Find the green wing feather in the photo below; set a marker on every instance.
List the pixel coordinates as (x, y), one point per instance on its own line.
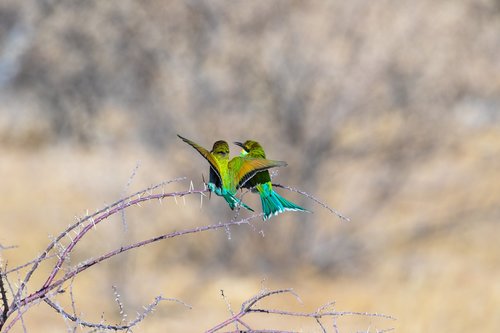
(261, 177)
(206, 154)
(245, 168)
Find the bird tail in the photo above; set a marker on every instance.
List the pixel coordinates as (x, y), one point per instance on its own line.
(273, 203)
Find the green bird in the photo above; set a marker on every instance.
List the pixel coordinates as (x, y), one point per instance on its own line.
(227, 176)
(272, 202)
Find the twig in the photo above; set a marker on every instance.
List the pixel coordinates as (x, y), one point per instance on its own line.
(248, 307)
(20, 310)
(228, 304)
(123, 315)
(31, 262)
(72, 296)
(79, 222)
(89, 263)
(140, 316)
(322, 314)
(321, 203)
(102, 217)
(129, 181)
(3, 247)
(5, 302)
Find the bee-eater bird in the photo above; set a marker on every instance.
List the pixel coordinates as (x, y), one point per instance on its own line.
(272, 202)
(227, 176)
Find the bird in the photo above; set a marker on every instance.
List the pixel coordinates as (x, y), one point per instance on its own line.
(227, 176)
(272, 202)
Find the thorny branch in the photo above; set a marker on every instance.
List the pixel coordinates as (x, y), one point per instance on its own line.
(21, 303)
(79, 223)
(5, 302)
(140, 316)
(322, 313)
(103, 214)
(313, 198)
(91, 262)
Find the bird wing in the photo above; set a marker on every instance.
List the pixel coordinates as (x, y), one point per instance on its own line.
(214, 165)
(215, 178)
(248, 167)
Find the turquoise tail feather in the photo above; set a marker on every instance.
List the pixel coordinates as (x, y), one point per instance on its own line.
(273, 203)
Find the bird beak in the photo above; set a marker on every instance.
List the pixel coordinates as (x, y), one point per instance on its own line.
(243, 151)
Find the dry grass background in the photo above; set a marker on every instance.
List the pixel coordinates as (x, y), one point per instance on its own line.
(387, 110)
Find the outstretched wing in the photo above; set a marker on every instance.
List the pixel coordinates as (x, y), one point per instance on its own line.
(245, 168)
(214, 165)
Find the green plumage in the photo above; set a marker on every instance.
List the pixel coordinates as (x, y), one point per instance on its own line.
(272, 202)
(227, 176)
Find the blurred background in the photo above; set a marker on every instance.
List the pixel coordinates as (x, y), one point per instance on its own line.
(386, 110)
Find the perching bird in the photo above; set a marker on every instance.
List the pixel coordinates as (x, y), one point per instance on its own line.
(227, 176)
(272, 202)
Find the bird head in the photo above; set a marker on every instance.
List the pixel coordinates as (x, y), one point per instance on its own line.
(244, 151)
(220, 148)
(250, 146)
